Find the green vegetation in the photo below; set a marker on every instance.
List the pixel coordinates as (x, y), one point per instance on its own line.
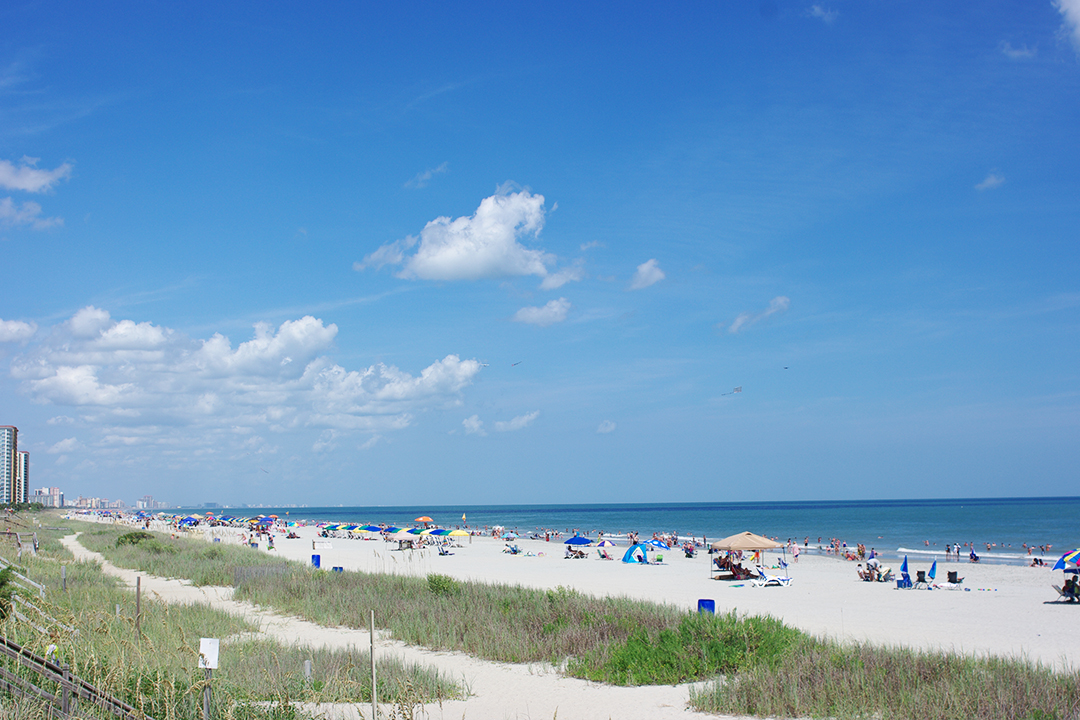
(156, 670)
(824, 679)
(759, 666)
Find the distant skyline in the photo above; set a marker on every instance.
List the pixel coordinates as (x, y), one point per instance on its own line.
(424, 254)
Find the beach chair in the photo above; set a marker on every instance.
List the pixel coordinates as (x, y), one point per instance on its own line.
(920, 579)
(444, 551)
(604, 554)
(954, 577)
(763, 579)
(783, 565)
(1062, 595)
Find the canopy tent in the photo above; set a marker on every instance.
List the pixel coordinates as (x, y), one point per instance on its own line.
(632, 556)
(745, 541)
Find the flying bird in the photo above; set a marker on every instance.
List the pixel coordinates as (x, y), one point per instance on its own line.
(517, 363)
(736, 390)
(265, 471)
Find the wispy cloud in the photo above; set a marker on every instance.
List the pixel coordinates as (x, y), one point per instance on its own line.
(521, 421)
(27, 177)
(474, 426)
(648, 273)
(14, 215)
(606, 427)
(555, 311)
(776, 305)
(993, 180)
(1070, 11)
(592, 244)
(421, 179)
(1019, 53)
(822, 13)
(571, 273)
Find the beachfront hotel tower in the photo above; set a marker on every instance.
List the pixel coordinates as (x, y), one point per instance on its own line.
(9, 463)
(24, 476)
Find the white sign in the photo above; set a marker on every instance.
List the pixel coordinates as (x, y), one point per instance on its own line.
(208, 653)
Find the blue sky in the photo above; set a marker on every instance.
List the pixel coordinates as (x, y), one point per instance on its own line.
(322, 254)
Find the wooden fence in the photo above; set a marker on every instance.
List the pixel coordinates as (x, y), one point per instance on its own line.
(72, 687)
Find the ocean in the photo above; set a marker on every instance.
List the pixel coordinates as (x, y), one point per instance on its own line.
(892, 527)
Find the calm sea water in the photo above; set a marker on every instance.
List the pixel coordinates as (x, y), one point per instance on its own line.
(893, 527)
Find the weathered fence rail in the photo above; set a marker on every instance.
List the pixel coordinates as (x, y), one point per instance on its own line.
(72, 687)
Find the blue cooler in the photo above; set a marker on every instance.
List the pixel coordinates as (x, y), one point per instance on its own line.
(706, 606)
(315, 560)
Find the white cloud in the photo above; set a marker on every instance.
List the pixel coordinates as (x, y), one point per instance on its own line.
(139, 374)
(474, 426)
(60, 420)
(421, 179)
(521, 421)
(821, 13)
(606, 427)
(1021, 53)
(484, 245)
(371, 442)
(555, 311)
(592, 244)
(648, 273)
(1070, 11)
(993, 180)
(28, 213)
(64, 446)
(746, 319)
(573, 273)
(16, 330)
(28, 178)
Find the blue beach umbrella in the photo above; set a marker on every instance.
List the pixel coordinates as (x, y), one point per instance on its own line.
(510, 536)
(415, 531)
(903, 568)
(392, 529)
(371, 528)
(659, 544)
(578, 540)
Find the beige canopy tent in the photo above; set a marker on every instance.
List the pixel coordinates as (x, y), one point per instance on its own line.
(747, 541)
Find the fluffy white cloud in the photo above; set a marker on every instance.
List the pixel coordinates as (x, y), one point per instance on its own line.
(16, 330)
(28, 213)
(484, 245)
(746, 319)
(64, 446)
(521, 421)
(555, 311)
(474, 426)
(993, 180)
(139, 374)
(606, 427)
(28, 178)
(1070, 11)
(648, 273)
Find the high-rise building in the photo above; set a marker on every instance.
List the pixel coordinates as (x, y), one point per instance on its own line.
(24, 476)
(9, 463)
(49, 497)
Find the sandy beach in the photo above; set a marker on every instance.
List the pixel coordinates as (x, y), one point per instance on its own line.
(1001, 610)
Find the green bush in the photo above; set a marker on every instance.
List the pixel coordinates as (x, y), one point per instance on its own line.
(443, 585)
(133, 538)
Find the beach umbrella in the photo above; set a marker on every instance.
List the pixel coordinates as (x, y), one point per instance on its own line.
(371, 528)
(439, 532)
(605, 543)
(578, 540)
(458, 533)
(423, 518)
(1072, 557)
(392, 529)
(659, 544)
(415, 531)
(510, 536)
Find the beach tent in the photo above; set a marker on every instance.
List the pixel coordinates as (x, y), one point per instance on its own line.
(631, 555)
(745, 541)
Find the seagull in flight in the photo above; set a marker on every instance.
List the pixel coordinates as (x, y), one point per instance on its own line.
(517, 363)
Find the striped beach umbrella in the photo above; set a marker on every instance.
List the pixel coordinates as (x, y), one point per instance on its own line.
(1072, 557)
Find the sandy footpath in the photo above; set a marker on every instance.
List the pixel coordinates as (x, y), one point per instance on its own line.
(499, 690)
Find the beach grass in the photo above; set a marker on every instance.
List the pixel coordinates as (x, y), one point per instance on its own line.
(818, 678)
(92, 625)
(756, 665)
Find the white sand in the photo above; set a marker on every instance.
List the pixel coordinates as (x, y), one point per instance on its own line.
(1004, 611)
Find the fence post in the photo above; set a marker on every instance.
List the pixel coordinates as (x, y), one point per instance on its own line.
(65, 690)
(63, 576)
(206, 695)
(138, 606)
(307, 670)
(374, 692)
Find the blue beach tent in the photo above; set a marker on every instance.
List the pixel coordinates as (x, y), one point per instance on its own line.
(632, 556)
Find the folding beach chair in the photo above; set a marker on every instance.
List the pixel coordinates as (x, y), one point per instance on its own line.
(920, 579)
(765, 580)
